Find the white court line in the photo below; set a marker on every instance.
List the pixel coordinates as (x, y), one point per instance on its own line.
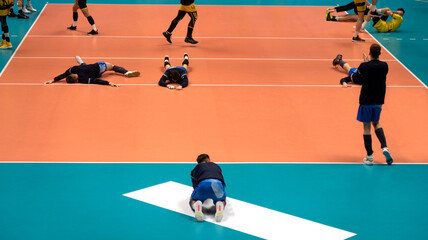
(22, 41)
(221, 163)
(210, 59)
(204, 85)
(161, 37)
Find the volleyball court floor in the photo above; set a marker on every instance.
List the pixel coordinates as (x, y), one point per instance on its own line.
(263, 101)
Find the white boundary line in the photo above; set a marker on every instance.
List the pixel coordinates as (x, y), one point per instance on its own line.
(23, 39)
(238, 163)
(161, 37)
(203, 85)
(213, 59)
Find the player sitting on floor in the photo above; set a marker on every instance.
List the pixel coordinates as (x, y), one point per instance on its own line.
(89, 73)
(380, 22)
(175, 77)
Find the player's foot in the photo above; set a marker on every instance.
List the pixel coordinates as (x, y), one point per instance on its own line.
(132, 74)
(368, 160)
(219, 206)
(375, 14)
(6, 45)
(22, 16)
(30, 8)
(167, 35)
(11, 13)
(24, 10)
(78, 60)
(166, 61)
(337, 60)
(328, 16)
(387, 156)
(72, 28)
(357, 39)
(190, 40)
(186, 56)
(93, 32)
(197, 206)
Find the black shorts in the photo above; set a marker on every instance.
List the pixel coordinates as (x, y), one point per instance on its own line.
(82, 4)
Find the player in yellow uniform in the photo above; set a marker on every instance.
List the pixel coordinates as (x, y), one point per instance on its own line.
(5, 6)
(361, 8)
(84, 8)
(380, 23)
(186, 6)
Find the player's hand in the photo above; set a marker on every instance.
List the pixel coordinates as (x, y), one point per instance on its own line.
(331, 9)
(179, 87)
(170, 86)
(366, 59)
(49, 82)
(113, 85)
(345, 85)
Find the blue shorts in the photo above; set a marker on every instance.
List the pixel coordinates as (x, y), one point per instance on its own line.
(103, 68)
(369, 113)
(209, 189)
(182, 68)
(352, 71)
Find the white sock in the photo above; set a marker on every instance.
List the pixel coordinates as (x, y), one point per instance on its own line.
(94, 27)
(74, 24)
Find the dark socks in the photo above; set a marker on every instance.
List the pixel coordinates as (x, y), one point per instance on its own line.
(186, 61)
(75, 16)
(189, 31)
(91, 20)
(381, 136)
(368, 144)
(119, 69)
(341, 62)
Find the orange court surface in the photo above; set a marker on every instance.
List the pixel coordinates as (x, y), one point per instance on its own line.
(261, 90)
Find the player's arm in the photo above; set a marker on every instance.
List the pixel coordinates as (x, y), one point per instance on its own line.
(59, 77)
(98, 81)
(185, 81)
(164, 80)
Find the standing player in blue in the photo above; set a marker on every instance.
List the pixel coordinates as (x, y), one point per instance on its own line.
(208, 183)
(175, 77)
(89, 73)
(372, 76)
(186, 6)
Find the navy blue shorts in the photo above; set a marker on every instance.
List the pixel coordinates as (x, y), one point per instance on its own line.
(209, 189)
(103, 68)
(369, 113)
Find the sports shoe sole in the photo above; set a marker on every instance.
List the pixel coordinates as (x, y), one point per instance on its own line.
(133, 74)
(219, 211)
(369, 163)
(388, 157)
(198, 211)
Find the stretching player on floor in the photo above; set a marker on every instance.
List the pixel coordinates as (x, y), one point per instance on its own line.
(350, 70)
(175, 77)
(346, 17)
(84, 8)
(4, 11)
(380, 22)
(208, 183)
(89, 73)
(186, 6)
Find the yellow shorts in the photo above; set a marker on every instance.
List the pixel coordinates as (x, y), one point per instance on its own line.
(361, 5)
(4, 12)
(188, 8)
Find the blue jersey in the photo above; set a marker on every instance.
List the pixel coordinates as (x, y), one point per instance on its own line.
(166, 77)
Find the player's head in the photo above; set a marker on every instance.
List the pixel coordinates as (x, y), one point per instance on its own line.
(175, 76)
(400, 11)
(203, 158)
(375, 51)
(72, 78)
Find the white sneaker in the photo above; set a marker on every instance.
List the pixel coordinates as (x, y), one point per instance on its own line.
(24, 10)
(132, 74)
(368, 160)
(387, 156)
(30, 8)
(79, 60)
(197, 206)
(219, 206)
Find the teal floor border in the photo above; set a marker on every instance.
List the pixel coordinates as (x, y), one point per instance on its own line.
(85, 201)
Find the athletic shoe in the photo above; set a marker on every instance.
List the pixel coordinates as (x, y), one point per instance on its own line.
(22, 16)
(30, 8)
(219, 206)
(357, 39)
(337, 60)
(387, 156)
(78, 60)
(93, 32)
(6, 45)
(24, 10)
(197, 206)
(72, 28)
(186, 55)
(167, 35)
(328, 16)
(11, 13)
(132, 74)
(190, 40)
(368, 160)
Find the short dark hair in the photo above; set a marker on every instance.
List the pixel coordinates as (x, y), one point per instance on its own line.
(70, 79)
(375, 50)
(202, 157)
(175, 75)
(401, 9)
